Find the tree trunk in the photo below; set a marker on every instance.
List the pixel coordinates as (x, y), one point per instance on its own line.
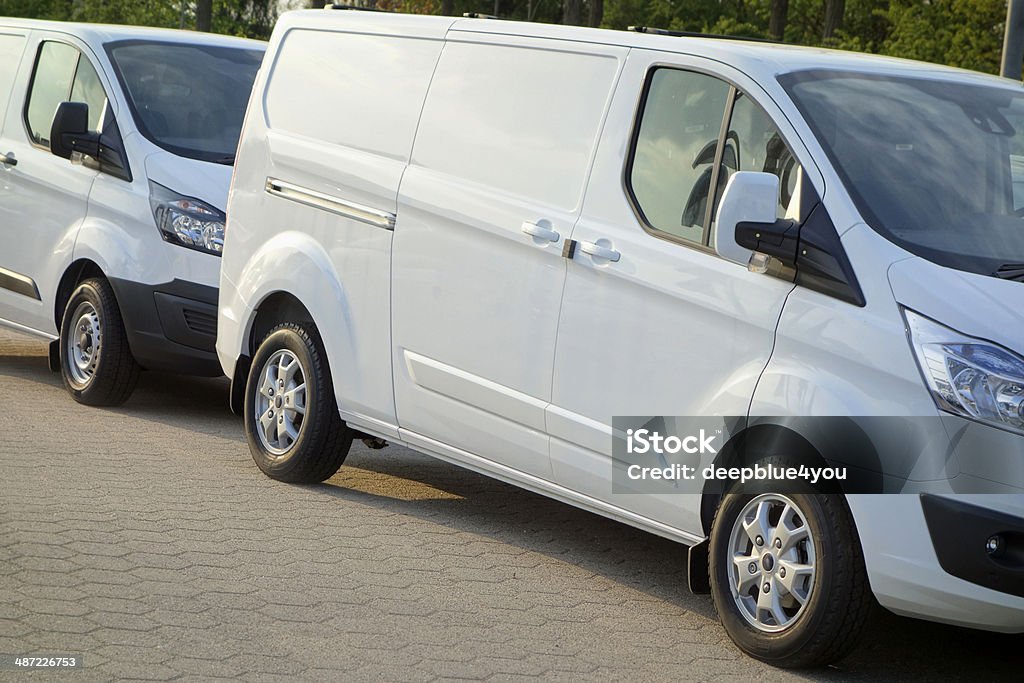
(204, 15)
(834, 10)
(596, 12)
(571, 12)
(447, 7)
(778, 19)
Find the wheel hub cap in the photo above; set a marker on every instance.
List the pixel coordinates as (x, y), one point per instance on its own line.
(83, 345)
(280, 402)
(771, 580)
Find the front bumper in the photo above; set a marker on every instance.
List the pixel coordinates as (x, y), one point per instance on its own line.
(171, 327)
(906, 566)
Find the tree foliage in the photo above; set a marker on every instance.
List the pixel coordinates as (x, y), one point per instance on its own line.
(964, 33)
(253, 18)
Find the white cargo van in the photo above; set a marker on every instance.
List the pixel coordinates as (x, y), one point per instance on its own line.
(488, 240)
(116, 149)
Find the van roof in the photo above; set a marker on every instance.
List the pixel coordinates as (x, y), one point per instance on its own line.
(757, 59)
(98, 34)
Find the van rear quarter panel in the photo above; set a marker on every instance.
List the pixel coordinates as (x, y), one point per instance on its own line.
(347, 134)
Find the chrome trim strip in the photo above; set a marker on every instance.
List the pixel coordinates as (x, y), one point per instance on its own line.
(326, 202)
(19, 284)
(10, 324)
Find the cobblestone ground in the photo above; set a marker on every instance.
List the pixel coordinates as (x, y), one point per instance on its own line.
(144, 539)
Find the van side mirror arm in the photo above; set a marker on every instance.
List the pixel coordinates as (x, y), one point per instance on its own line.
(778, 240)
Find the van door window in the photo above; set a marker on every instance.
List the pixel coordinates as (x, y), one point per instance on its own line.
(87, 88)
(677, 141)
(670, 171)
(62, 75)
(51, 84)
(754, 143)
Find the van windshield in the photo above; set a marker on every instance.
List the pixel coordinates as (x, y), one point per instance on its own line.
(936, 166)
(188, 99)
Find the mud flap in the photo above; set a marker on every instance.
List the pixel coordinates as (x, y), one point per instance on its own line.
(54, 356)
(697, 569)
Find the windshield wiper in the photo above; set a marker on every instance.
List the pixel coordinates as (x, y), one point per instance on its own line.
(1011, 271)
(227, 161)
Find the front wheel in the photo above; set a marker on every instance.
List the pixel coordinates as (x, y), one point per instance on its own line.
(96, 362)
(787, 577)
(292, 424)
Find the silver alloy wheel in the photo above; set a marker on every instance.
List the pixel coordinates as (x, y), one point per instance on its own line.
(84, 344)
(772, 564)
(280, 402)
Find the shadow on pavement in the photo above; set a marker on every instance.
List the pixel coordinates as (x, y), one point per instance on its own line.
(894, 648)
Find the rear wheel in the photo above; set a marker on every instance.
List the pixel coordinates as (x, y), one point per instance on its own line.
(292, 424)
(787, 577)
(96, 362)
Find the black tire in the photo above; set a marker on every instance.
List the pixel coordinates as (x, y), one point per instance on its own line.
(97, 366)
(323, 439)
(839, 604)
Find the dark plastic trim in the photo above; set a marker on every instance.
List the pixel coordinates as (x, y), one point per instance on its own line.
(158, 333)
(19, 284)
(959, 532)
(821, 261)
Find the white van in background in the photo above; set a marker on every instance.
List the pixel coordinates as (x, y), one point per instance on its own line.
(486, 239)
(116, 151)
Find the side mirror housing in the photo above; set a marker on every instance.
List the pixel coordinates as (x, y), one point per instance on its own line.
(747, 220)
(69, 132)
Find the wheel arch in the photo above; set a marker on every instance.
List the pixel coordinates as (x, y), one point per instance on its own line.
(78, 271)
(275, 308)
(303, 287)
(822, 442)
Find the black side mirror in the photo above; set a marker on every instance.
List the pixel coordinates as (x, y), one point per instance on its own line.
(70, 131)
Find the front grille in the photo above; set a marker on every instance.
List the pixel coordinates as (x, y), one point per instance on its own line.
(201, 323)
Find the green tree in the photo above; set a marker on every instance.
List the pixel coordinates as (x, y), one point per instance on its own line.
(964, 33)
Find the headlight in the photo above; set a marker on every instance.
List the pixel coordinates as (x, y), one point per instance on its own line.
(186, 221)
(968, 376)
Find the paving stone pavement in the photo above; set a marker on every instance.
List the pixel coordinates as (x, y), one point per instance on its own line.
(144, 539)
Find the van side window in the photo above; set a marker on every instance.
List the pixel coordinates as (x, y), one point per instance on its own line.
(674, 151)
(754, 143)
(62, 75)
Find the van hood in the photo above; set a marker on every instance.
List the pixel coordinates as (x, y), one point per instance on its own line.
(976, 305)
(202, 180)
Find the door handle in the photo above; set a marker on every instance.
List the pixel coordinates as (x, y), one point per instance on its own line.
(540, 232)
(599, 251)
(9, 159)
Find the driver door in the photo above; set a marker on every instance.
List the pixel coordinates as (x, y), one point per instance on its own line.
(43, 198)
(655, 322)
